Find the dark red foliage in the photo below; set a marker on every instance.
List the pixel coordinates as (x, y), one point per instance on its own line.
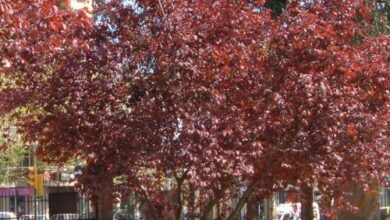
(213, 94)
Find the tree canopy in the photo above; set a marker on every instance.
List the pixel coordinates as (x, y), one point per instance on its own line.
(217, 95)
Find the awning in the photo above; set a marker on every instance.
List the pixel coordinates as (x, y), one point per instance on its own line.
(19, 191)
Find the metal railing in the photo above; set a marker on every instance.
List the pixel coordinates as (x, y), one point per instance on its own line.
(22, 204)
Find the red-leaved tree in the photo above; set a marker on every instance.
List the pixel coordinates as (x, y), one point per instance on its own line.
(217, 97)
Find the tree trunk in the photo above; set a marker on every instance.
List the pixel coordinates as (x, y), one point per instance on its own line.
(243, 200)
(105, 199)
(251, 210)
(367, 203)
(208, 209)
(307, 212)
(148, 210)
(191, 202)
(178, 199)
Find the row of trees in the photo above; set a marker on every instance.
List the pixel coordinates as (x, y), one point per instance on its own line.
(216, 95)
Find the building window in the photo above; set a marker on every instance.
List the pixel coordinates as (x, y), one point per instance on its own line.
(17, 204)
(385, 197)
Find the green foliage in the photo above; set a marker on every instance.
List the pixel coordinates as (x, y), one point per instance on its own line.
(381, 18)
(277, 6)
(9, 159)
(14, 150)
(128, 209)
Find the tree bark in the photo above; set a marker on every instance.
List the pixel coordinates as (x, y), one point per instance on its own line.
(251, 210)
(208, 209)
(244, 198)
(147, 207)
(307, 212)
(105, 199)
(179, 201)
(191, 202)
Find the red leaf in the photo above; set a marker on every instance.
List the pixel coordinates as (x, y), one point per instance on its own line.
(351, 74)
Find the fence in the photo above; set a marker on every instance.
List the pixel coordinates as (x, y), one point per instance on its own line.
(22, 204)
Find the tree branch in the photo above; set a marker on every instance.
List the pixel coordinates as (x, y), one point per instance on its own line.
(250, 189)
(212, 202)
(234, 214)
(178, 197)
(161, 7)
(149, 203)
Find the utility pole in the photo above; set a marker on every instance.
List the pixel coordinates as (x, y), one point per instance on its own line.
(35, 180)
